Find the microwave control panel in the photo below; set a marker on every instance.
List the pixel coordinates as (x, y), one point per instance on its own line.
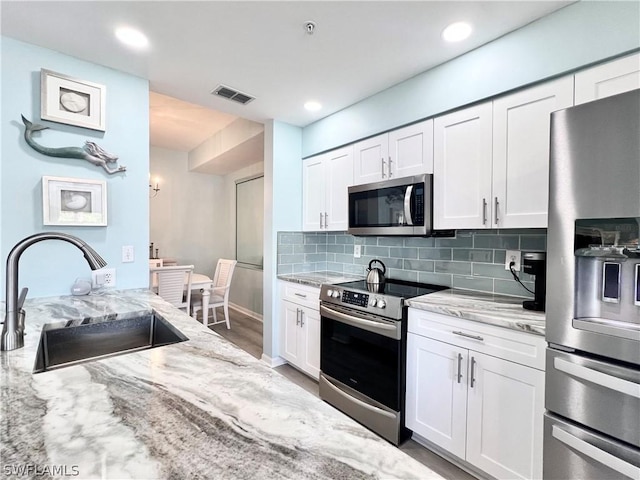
(419, 205)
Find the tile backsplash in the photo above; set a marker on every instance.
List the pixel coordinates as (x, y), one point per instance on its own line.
(472, 260)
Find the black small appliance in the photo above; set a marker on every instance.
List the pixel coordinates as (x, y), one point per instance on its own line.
(535, 263)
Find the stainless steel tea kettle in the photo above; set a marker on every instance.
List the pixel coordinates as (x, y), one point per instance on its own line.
(375, 275)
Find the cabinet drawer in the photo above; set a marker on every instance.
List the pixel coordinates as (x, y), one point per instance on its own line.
(519, 347)
(300, 294)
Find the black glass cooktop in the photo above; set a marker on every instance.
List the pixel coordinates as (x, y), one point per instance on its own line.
(394, 288)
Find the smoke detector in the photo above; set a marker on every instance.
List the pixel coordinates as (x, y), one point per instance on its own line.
(230, 93)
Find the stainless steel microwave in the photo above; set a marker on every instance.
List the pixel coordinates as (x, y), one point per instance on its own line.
(401, 206)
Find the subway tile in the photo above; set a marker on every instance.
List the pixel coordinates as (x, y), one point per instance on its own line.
(335, 267)
(358, 240)
(473, 283)
(434, 253)
(512, 288)
(499, 256)
(370, 250)
(322, 247)
(390, 241)
(344, 239)
(420, 265)
(303, 268)
(443, 279)
(337, 248)
(285, 269)
(458, 268)
(419, 242)
(482, 231)
(315, 238)
(285, 249)
(307, 248)
(299, 258)
(331, 238)
(533, 242)
(290, 238)
(473, 255)
(507, 242)
(331, 257)
(405, 275)
(315, 257)
(460, 241)
(354, 269)
(522, 231)
(491, 270)
(319, 266)
(403, 252)
(344, 258)
(370, 240)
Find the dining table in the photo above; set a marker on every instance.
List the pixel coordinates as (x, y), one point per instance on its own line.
(199, 282)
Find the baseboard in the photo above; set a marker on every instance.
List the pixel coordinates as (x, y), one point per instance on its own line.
(272, 362)
(246, 311)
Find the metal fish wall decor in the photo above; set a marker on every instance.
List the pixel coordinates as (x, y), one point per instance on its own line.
(91, 151)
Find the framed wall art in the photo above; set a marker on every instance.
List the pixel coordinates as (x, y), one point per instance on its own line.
(72, 101)
(74, 201)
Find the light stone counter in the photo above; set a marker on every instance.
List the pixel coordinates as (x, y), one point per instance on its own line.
(500, 310)
(197, 409)
(316, 279)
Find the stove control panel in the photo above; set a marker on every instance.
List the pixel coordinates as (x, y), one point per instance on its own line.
(355, 298)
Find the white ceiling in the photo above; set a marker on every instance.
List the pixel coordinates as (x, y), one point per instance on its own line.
(359, 48)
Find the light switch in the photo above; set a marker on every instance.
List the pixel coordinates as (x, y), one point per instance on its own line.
(127, 254)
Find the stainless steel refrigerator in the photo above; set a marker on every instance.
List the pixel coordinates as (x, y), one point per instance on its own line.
(592, 392)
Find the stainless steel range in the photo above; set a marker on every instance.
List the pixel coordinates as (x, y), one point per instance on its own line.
(363, 351)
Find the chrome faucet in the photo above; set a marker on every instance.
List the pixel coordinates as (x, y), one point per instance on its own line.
(13, 328)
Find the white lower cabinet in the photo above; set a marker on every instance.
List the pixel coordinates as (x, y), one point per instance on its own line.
(485, 410)
(300, 328)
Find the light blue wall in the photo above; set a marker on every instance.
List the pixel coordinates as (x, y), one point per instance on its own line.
(50, 267)
(578, 35)
(282, 211)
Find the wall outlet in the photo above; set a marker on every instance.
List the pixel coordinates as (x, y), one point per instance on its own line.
(105, 277)
(513, 256)
(127, 254)
(356, 251)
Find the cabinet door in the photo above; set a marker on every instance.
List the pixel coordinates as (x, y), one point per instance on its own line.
(436, 398)
(462, 169)
(310, 342)
(289, 327)
(521, 132)
(411, 150)
(339, 177)
(505, 417)
(313, 193)
(608, 79)
(370, 162)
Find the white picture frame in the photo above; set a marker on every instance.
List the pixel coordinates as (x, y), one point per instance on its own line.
(72, 101)
(74, 202)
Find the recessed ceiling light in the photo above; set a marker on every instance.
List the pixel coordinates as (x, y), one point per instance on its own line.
(132, 37)
(312, 106)
(456, 32)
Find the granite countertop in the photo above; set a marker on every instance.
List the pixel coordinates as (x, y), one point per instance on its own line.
(202, 408)
(316, 279)
(499, 310)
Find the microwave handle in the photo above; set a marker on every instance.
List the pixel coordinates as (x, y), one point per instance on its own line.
(407, 205)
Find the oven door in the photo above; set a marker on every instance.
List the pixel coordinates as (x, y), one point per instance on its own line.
(363, 352)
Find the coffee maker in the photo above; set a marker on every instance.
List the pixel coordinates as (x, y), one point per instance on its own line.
(535, 263)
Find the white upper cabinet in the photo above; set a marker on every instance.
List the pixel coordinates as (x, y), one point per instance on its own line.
(521, 133)
(491, 161)
(611, 78)
(400, 153)
(325, 180)
(462, 168)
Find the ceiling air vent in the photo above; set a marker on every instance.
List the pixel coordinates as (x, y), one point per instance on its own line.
(232, 94)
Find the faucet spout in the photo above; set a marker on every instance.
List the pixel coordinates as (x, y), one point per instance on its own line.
(12, 336)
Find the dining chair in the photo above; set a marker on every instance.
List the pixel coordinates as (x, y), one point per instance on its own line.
(174, 284)
(219, 292)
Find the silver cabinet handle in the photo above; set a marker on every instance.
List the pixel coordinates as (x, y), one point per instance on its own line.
(383, 164)
(484, 211)
(297, 316)
(459, 367)
(326, 220)
(468, 335)
(496, 203)
(473, 373)
(301, 318)
(591, 451)
(302, 295)
(407, 205)
(390, 172)
(320, 219)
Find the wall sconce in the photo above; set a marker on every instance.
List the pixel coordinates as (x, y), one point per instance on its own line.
(153, 189)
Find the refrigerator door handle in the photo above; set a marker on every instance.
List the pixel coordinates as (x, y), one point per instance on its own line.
(618, 384)
(605, 458)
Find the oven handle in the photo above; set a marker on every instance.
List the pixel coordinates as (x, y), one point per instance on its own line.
(376, 327)
(617, 464)
(358, 401)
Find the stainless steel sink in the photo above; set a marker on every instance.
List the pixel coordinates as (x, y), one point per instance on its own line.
(62, 346)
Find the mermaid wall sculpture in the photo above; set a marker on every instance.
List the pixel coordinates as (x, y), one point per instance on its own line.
(91, 152)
